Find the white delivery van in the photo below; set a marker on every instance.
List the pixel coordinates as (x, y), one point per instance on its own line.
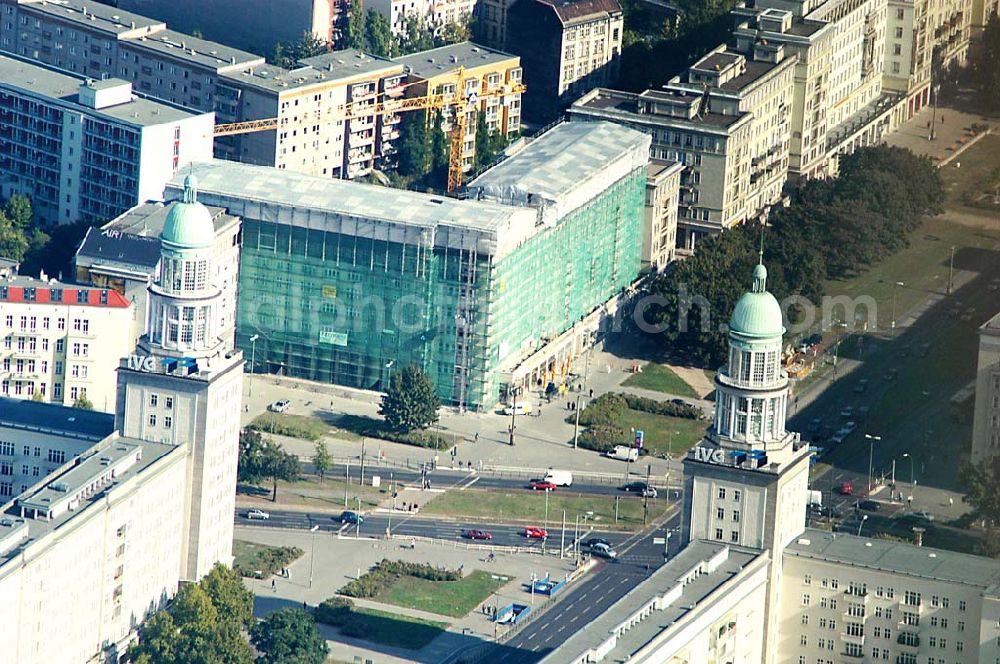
(815, 498)
(559, 477)
(624, 453)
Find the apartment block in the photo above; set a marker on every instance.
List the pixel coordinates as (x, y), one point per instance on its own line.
(950, 26)
(59, 342)
(986, 421)
(475, 72)
(567, 47)
(908, 46)
(87, 150)
(435, 14)
(982, 11)
(659, 239)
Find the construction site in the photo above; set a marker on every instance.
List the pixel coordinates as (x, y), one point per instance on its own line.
(344, 282)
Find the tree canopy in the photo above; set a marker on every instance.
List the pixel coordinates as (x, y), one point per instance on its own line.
(262, 459)
(982, 485)
(288, 54)
(289, 636)
(411, 402)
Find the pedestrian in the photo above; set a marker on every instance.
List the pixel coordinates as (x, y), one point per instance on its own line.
(414, 505)
(591, 393)
(305, 607)
(274, 586)
(951, 501)
(246, 408)
(477, 437)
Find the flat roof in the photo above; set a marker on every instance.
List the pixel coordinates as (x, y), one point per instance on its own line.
(192, 49)
(349, 63)
(896, 557)
(85, 472)
(35, 80)
(93, 15)
(148, 219)
(565, 158)
(992, 326)
(658, 167)
(438, 61)
(273, 78)
(68, 295)
(54, 419)
(344, 197)
(624, 105)
(675, 574)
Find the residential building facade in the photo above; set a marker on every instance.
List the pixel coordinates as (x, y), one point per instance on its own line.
(60, 342)
(86, 150)
(567, 48)
(659, 237)
(986, 422)
(323, 274)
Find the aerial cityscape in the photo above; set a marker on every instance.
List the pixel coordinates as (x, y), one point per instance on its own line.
(499, 331)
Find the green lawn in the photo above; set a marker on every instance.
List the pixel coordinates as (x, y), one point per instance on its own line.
(977, 175)
(396, 630)
(251, 557)
(446, 598)
(661, 378)
(296, 426)
(663, 435)
(529, 506)
(329, 493)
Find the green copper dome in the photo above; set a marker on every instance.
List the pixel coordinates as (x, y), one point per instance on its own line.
(189, 223)
(757, 313)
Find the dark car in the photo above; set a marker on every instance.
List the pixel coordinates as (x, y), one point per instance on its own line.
(870, 505)
(351, 517)
(638, 487)
(679, 402)
(477, 535)
(594, 541)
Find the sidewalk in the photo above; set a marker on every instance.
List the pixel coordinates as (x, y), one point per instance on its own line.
(949, 136)
(338, 561)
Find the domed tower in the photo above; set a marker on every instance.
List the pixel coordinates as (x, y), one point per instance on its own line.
(184, 385)
(746, 482)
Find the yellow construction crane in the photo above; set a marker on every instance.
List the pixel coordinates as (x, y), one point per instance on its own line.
(459, 100)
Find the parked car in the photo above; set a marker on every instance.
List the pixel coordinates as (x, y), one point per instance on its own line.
(533, 532)
(542, 485)
(925, 350)
(815, 424)
(919, 515)
(870, 505)
(825, 511)
(594, 541)
(846, 489)
(477, 535)
(348, 516)
(258, 514)
(519, 409)
(637, 487)
(849, 428)
(280, 406)
(994, 284)
(603, 551)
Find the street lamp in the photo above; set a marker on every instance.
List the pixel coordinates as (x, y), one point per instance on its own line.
(312, 555)
(253, 358)
(579, 394)
(871, 457)
(861, 525)
(913, 482)
(389, 365)
(892, 332)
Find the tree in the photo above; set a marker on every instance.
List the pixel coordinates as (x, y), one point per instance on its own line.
(37, 396)
(262, 459)
(355, 33)
(83, 403)
(982, 485)
(378, 34)
(322, 460)
(415, 36)
(411, 157)
(54, 255)
(229, 596)
(482, 156)
(158, 640)
(454, 32)
(289, 636)
(18, 209)
(411, 402)
(439, 146)
(288, 55)
(13, 242)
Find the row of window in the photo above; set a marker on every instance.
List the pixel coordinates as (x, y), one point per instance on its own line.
(30, 294)
(31, 323)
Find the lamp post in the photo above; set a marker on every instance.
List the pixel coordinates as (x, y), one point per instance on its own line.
(389, 365)
(871, 457)
(892, 332)
(513, 413)
(253, 359)
(935, 90)
(861, 525)
(357, 531)
(586, 378)
(913, 482)
(312, 555)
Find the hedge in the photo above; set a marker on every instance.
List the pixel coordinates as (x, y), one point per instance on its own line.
(608, 409)
(375, 428)
(268, 561)
(384, 573)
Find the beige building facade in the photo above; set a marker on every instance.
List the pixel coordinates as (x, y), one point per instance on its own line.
(986, 422)
(659, 239)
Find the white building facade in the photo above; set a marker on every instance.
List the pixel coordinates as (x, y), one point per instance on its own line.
(986, 422)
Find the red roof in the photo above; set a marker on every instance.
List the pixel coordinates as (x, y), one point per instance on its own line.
(43, 295)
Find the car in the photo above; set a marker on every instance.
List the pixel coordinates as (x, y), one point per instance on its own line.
(542, 485)
(891, 374)
(838, 437)
(533, 532)
(679, 402)
(864, 411)
(594, 541)
(603, 551)
(519, 409)
(280, 406)
(258, 514)
(846, 489)
(849, 428)
(968, 313)
(638, 487)
(861, 386)
(847, 413)
(649, 492)
(348, 516)
(918, 515)
(827, 512)
(477, 535)
(870, 505)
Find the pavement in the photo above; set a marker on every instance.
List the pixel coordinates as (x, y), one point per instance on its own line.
(330, 562)
(951, 135)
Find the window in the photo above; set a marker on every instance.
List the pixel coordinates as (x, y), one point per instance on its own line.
(737, 494)
(57, 456)
(153, 399)
(807, 579)
(168, 403)
(718, 534)
(734, 536)
(722, 493)
(152, 420)
(168, 422)
(720, 513)
(911, 598)
(805, 600)
(961, 605)
(736, 516)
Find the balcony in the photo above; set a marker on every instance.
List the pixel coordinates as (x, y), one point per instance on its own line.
(850, 638)
(909, 642)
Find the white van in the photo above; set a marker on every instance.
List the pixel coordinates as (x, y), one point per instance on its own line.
(559, 477)
(519, 409)
(624, 453)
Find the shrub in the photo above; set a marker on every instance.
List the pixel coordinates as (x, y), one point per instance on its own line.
(384, 573)
(333, 611)
(268, 561)
(601, 438)
(606, 409)
(647, 405)
(373, 428)
(293, 426)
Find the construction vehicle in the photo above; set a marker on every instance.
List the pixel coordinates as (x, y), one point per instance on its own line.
(460, 101)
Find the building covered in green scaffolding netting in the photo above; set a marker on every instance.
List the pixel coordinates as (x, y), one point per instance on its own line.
(343, 282)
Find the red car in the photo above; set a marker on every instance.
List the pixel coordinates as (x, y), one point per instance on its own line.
(542, 486)
(846, 489)
(532, 532)
(477, 535)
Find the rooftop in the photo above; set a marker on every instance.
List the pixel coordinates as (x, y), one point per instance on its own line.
(50, 418)
(28, 290)
(446, 59)
(896, 557)
(801, 27)
(699, 570)
(751, 70)
(94, 15)
(625, 105)
(148, 219)
(274, 78)
(36, 80)
(572, 11)
(192, 49)
(349, 63)
(991, 327)
(658, 167)
(565, 160)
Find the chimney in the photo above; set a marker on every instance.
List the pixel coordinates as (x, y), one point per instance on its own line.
(918, 536)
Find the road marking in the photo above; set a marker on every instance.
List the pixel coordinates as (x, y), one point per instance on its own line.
(468, 484)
